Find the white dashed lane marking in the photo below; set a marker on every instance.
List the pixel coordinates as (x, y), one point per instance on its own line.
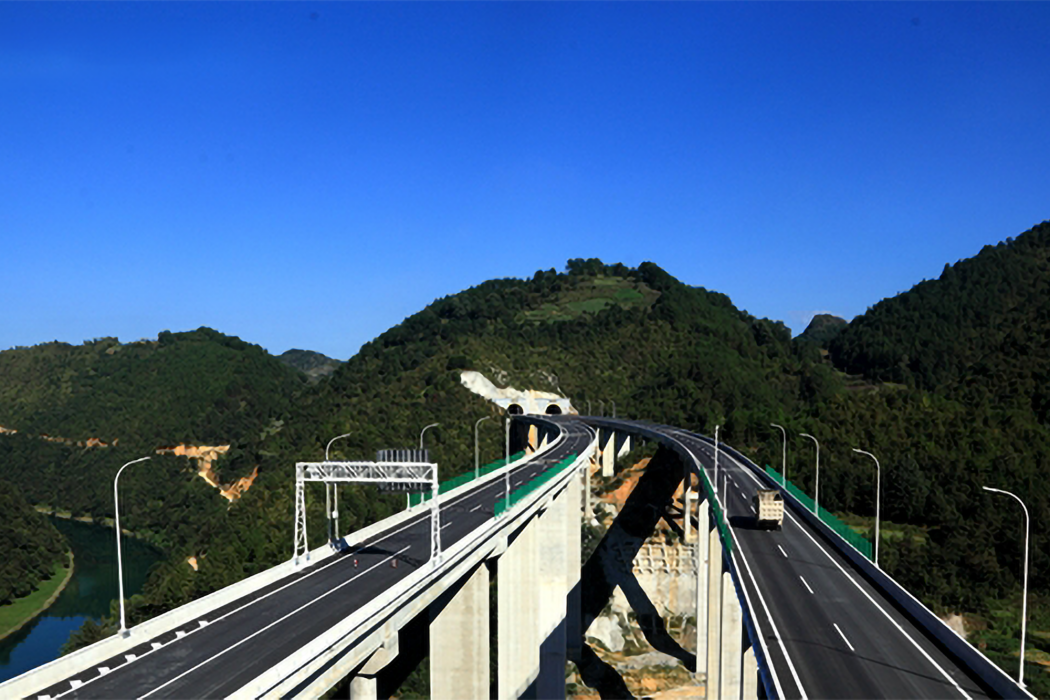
(782, 551)
(843, 637)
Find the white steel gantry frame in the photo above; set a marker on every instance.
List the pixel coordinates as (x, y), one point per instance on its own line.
(408, 473)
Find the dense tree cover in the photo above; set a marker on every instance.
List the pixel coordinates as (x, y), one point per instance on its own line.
(30, 544)
(198, 386)
(980, 333)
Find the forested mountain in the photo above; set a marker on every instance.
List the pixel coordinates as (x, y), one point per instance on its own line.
(195, 386)
(313, 364)
(981, 332)
(822, 329)
(30, 544)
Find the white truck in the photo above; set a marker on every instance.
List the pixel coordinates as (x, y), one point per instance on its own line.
(769, 509)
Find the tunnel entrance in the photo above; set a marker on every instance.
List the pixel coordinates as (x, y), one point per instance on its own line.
(515, 410)
(553, 410)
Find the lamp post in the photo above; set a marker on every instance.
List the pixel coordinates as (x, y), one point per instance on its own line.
(335, 487)
(878, 486)
(716, 459)
(1024, 599)
(601, 407)
(589, 407)
(120, 564)
(816, 487)
(506, 462)
(613, 407)
(476, 461)
(784, 457)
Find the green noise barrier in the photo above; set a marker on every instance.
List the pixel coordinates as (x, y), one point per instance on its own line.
(503, 505)
(414, 499)
(859, 542)
(720, 519)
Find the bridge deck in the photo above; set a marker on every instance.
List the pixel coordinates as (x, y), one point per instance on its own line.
(249, 636)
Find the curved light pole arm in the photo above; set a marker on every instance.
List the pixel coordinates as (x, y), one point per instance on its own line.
(1024, 599)
(329, 445)
(120, 564)
(432, 425)
(335, 489)
(878, 499)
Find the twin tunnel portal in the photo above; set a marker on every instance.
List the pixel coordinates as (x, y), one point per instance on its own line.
(795, 613)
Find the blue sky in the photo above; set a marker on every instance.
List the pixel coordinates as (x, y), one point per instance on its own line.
(307, 175)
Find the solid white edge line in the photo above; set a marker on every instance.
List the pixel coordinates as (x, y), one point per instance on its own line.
(904, 632)
(302, 607)
(806, 585)
(843, 636)
(762, 600)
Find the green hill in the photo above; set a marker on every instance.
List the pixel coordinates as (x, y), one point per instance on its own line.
(981, 332)
(196, 386)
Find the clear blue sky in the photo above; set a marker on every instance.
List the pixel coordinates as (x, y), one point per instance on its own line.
(307, 175)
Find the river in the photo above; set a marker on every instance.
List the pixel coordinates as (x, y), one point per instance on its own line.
(89, 594)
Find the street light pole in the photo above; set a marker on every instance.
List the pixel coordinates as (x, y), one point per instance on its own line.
(613, 407)
(784, 458)
(601, 407)
(476, 462)
(816, 487)
(716, 459)
(335, 488)
(120, 564)
(506, 462)
(1024, 599)
(878, 486)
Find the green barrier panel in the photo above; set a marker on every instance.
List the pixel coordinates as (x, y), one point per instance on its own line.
(861, 543)
(502, 505)
(414, 499)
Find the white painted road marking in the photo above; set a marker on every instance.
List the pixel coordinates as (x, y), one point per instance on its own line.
(302, 607)
(782, 551)
(878, 607)
(475, 508)
(103, 670)
(130, 657)
(843, 637)
(806, 585)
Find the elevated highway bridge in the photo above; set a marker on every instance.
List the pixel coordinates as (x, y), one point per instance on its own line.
(790, 614)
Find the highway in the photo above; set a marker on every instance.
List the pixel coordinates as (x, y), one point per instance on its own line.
(214, 656)
(829, 633)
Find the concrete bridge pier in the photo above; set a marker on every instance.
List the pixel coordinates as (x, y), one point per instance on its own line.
(607, 448)
(363, 683)
(553, 530)
(517, 607)
(459, 633)
(724, 655)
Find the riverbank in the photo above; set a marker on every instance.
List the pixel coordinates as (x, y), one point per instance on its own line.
(22, 611)
(90, 520)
